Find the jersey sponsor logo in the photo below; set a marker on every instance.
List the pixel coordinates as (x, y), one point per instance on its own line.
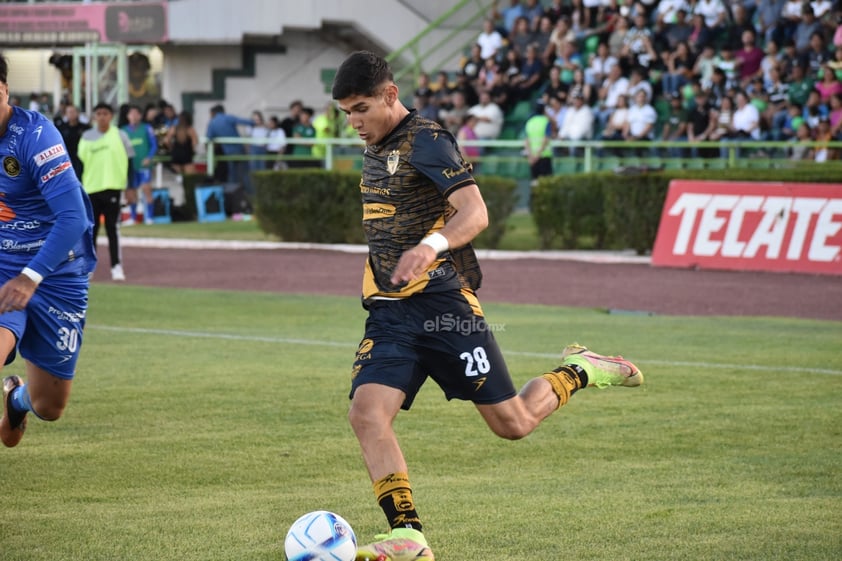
(58, 170)
(11, 166)
(377, 210)
(392, 161)
(382, 191)
(6, 213)
(364, 350)
(754, 226)
(451, 173)
(50, 153)
(38, 130)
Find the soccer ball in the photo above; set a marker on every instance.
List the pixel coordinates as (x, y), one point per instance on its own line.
(320, 536)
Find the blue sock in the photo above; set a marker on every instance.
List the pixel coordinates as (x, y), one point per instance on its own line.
(150, 211)
(133, 212)
(20, 399)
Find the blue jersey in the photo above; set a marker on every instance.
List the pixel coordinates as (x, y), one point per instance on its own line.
(37, 170)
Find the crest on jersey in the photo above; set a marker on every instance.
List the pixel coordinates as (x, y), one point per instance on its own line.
(11, 166)
(392, 161)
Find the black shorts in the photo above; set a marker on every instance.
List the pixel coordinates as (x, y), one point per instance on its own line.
(439, 335)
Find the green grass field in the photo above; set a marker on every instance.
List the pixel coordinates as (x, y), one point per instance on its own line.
(203, 423)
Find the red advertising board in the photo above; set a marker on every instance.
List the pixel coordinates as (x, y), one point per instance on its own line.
(783, 227)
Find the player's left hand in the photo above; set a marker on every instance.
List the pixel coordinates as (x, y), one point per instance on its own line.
(16, 293)
(413, 263)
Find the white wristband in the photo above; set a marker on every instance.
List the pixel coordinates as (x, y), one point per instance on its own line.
(437, 241)
(35, 276)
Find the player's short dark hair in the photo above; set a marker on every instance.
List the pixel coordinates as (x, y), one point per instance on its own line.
(103, 105)
(361, 73)
(4, 69)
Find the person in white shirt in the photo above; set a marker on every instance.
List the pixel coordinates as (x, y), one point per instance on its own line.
(578, 120)
(614, 86)
(489, 117)
(641, 121)
(490, 40)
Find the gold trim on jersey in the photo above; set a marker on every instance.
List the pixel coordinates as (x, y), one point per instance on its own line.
(377, 210)
(473, 301)
(370, 288)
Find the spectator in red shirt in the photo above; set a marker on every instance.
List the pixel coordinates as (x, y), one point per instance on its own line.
(750, 57)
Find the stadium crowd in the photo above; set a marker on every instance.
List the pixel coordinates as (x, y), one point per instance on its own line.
(681, 70)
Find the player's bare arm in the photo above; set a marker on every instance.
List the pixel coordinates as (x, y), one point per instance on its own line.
(470, 219)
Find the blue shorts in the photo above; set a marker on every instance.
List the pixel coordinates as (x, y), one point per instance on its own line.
(139, 177)
(49, 330)
(442, 336)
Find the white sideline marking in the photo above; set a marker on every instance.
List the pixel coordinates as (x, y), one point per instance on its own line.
(335, 344)
(594, 256)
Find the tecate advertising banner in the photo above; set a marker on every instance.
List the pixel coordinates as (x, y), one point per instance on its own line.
(781, 227)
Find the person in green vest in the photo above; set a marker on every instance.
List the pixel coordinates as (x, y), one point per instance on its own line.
(539, 133)
(327, 125)
(145, 144)
(105, 152)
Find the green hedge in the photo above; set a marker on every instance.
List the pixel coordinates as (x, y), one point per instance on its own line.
(309, 205)
(500, 194)
(622, 211)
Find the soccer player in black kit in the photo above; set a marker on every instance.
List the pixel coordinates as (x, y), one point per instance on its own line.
(421, 209)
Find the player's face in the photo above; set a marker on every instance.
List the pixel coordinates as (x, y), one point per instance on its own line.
(371, 116)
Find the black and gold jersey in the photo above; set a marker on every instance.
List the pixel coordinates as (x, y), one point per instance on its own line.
(406, 180)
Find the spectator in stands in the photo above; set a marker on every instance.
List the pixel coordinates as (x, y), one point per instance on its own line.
(508, 16)
(578, 123)
(777, 92)
(823, 152)
(290, 121)
(71, 129)
(467, 132)
(699, 126)
(737, 26)
(791, 121)
(814, 110)
(700, 36)
(704, 66)
(638, 82)
(453, 118)
(568, 60)
(638, 48)
(835, 116)
(554, 87)
(541, 37)
(729, 65)
(422, 85)
(804, 30)
(770, 60)
(675, 125)
(680, 30)
(800, 85)
(531, 76)
(304, 129)
(722, 123)
(791, 15)
(829, 85)
(679, 68)
(745, 123)
(489, 40)
(617, 37)
(489, 117)
(182, 142)
(422, 104)
(640, 124)
(442, 92)
(599, 64)
(816, 55)
(768, 18)
(472, 66)
(520, 37)
(490, 70)
(749, 58)
(277, 144)
(533, 11)
(579, 83)
(257, 151)
(715, 15)
(667, 12)
(560, 35)
(222, 125)
(501, 92)
(555, 109)
(614, 86)
(616, 122)
(801, 150)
